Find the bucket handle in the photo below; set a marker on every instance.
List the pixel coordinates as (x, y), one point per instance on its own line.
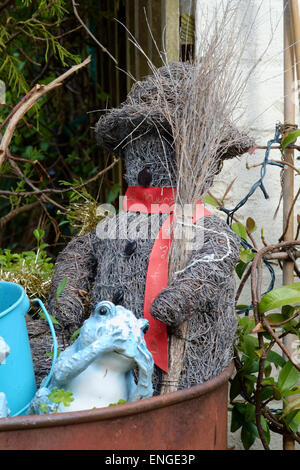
(54, 357)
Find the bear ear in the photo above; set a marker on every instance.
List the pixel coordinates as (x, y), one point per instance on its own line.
(242, 144)
(111, 134)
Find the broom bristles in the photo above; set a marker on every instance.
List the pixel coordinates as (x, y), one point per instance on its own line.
(202, 109)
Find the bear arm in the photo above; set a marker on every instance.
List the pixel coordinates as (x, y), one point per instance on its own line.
(77, 262)
(207, 271)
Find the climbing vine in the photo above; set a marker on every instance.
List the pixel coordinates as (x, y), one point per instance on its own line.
(267, 373)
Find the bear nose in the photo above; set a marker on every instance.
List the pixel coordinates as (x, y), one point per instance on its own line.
(118, 297)
(145, 177)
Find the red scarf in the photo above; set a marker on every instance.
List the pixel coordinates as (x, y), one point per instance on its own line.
(153, 201)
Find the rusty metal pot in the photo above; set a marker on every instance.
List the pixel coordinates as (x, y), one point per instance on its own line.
(190, 419)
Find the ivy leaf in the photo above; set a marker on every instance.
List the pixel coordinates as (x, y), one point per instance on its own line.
(291, 137)
(250, 225)
(237, 419)
(288, 376)
(276, 359)
(240, 269)
(291, 406)
(294, 391)
(240, 230)
(235, 388)
(210, 200)
(266, 429)
(246, 256)
(248, 435)
(289, 294)
(267, 392)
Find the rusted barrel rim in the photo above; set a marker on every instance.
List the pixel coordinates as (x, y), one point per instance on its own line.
(118, 411)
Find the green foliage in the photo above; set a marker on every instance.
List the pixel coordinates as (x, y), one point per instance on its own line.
(120, 402)
(58, 396)
(285, 295)
(54, 142)
(34, 261)
(275, 387)
(289, 139)
(27, 28)
(280, 377)
(251, 225)
(210, 200)
(61, 287)
(31, 269)
(246, 254)
(61, 396)
(243, 417)
(240, 230)
(75, 334)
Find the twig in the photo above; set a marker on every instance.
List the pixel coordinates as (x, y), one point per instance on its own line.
(27, 207)
(90, 33)
(40, 75)
(282, 162)
(235, 220)
(43, 197)
(60, 191)
(296, 269)
(277, 325)
(27, 57)
(258, 394)
(277, 147)
(289, 215)
(27, 102)
(68, 32)
(255, 263)
(5, 4)
(242, 284)
(268, 327)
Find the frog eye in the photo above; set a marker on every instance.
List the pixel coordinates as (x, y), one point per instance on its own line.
(144, 325)
(103, 310)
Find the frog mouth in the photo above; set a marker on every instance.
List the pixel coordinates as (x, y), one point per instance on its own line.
(122, 354)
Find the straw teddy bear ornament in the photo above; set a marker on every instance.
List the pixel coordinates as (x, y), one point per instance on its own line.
(125, 260)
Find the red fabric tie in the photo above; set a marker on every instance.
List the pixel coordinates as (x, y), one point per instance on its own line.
(153, 201)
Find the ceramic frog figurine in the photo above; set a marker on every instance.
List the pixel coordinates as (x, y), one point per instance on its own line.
(98, 367)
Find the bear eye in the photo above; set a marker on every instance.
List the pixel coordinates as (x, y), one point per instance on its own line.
(145, 328)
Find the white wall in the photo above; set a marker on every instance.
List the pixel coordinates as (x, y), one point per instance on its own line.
(263, 105)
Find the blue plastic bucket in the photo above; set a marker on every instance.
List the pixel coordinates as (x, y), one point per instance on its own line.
(17, 379)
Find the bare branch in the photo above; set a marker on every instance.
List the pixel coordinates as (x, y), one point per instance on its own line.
(90, 33)
(60, 191)
(27, 102)
(27, 207)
